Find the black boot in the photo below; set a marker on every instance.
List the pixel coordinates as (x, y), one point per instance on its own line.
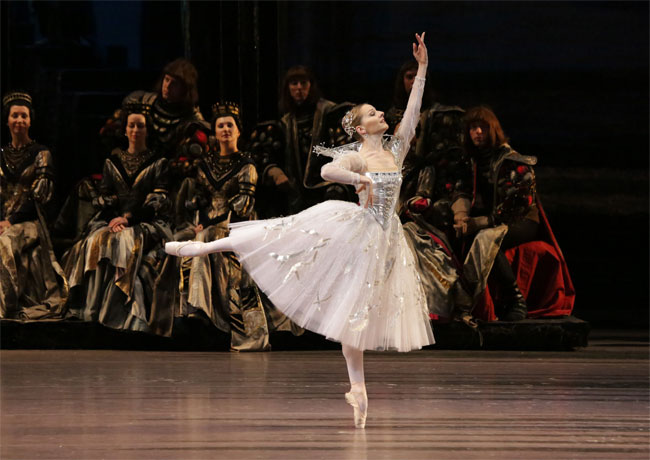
(515, 305)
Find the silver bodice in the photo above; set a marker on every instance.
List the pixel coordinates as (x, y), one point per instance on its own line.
(385, 187)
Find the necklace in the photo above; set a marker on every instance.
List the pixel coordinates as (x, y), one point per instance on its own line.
(220, 165)
(133, 161)
(15, 157)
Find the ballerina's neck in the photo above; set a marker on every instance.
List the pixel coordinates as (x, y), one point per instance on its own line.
(379, 161)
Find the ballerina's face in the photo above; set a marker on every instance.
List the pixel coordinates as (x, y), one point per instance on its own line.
(372, 121)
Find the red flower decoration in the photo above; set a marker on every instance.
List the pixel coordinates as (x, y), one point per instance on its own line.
(448, 186)
(530, 200)
(522, 169)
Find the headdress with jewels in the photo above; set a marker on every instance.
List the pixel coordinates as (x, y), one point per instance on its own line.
(136, 107)
(226, 109)
(346, 122)
(13, 97)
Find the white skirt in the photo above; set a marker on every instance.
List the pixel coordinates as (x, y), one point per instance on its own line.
(334, 270)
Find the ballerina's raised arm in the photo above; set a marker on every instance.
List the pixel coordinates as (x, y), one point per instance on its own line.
(409, 122)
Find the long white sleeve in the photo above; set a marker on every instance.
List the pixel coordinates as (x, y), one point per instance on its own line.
(344, 170)
(411, 117)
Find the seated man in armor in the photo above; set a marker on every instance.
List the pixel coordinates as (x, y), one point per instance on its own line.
(505, 194)
(283, 151)
(175, 115)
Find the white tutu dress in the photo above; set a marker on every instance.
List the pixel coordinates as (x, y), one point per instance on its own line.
(342, 270)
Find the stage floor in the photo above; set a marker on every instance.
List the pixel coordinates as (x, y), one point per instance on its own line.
(588, 404)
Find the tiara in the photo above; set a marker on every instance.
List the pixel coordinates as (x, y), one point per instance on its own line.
(230, 108)
(347, 123)
(16, 96)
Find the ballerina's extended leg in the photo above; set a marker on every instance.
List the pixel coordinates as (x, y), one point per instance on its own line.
(357, 396)
(197, 248)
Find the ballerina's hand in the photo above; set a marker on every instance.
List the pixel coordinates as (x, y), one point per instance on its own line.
(366, 184)
(420, 50)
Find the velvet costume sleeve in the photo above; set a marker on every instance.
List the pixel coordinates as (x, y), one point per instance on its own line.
(346, 169)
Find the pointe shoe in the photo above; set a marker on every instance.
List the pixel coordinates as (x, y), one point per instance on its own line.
(359, 402)
(174, 248)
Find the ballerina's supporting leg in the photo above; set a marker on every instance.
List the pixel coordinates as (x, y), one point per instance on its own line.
(197, 248)
(357, 396)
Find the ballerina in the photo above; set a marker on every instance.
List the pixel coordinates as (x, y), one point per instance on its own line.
(338, 269)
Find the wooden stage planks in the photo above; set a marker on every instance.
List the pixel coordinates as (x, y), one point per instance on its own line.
(102, 404)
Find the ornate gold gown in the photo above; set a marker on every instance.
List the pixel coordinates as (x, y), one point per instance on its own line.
(222, 192)
(32, 284)
(113, 276)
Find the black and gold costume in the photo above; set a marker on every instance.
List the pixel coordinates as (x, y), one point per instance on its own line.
(222, 192)
(289, 145)
(436, 175)
(32, 284)
(502, 187)
(113, 276)
(434, 169)
(172, 124)
(176, 132)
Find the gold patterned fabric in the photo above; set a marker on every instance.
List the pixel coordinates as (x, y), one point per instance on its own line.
(215, 285)
(32, 284)
(113, 276)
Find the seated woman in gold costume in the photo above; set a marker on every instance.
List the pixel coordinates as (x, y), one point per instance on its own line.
(222, 191)
(32, 284)
(112, 269)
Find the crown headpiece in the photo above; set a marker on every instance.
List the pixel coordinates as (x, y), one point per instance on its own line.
(347, 123)
(136, 107)
(16, 96)
(225, 108)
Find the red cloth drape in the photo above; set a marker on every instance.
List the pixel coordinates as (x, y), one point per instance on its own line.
(542, 275)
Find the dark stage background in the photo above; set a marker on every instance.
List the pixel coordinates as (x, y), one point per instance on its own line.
(569, 81)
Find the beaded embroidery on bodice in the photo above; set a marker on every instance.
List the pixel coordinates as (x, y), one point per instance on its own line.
(385, 187)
